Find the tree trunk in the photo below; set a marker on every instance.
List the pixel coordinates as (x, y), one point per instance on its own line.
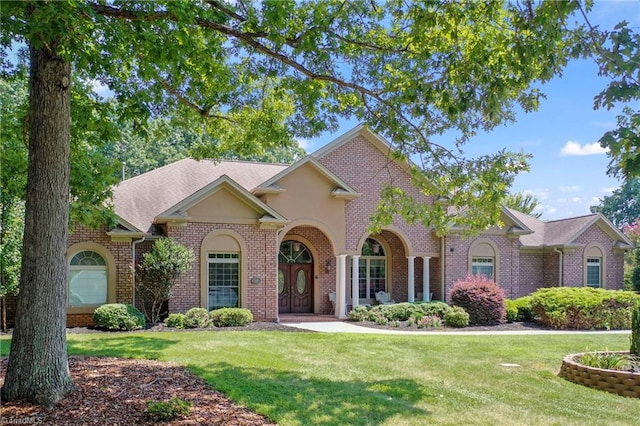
(38, 369)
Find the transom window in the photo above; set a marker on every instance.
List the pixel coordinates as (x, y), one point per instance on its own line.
(223, 270)
(594, 272)
(372, 269)
(482, 266)
(294, 252)
(87, 279)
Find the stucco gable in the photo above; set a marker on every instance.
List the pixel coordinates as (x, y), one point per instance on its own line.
(223, 200)
(340, 189)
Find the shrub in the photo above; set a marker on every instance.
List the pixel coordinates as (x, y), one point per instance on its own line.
(230, 317)
(159, 268)
(429, 321)
(511, 309)
(456, 317)
(434, 308)
(168, 410)
(359, 313)
(399, 311)
(525, 312)
(197, 318)
(635, 330)
(482, 298)
(583, 308)
(118, 316)
(175, 320)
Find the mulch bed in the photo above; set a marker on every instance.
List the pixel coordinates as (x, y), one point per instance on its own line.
(115, 391)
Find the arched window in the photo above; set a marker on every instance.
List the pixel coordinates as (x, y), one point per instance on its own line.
(373, 269)
(88, 279)
(593, 266)
(483, 259)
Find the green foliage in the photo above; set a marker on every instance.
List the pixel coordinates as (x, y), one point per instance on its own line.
(482, 298)
(176, 320)
(622, 207)
(429, 321)
(359, 313)
(456, 317)
(118, 316)
(583, 308)
(230, 317)
(197, 318)
(421, 314)
(525, 312)
(606, 360)
(165, 411)
(434, 307)
(511, 310)
(635, 330)
(525, 203)
(166, 261)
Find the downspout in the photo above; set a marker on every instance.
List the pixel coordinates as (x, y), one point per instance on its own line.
(133, 262)
(442, 269)
(560, 274)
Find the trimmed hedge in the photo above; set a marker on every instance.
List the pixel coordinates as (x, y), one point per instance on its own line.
(230, 317)
(197, 318)
(583, 308)
(456, 317)
(418, 313)
(482, 298)
(118, 316)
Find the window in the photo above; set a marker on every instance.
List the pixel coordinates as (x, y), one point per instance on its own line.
(372, 269)
(223, 280)
(482, 266)
(87, 279)
(594, 276)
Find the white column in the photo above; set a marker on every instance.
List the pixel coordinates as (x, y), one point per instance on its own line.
(355, 280)
(411, 276)
(426, 285)
(341, 302)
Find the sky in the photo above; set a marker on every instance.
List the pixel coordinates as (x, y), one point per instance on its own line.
(568, 169)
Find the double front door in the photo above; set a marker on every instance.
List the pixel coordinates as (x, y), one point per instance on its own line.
(295, 288)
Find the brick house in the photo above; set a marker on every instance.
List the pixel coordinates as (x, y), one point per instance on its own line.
(278, 239)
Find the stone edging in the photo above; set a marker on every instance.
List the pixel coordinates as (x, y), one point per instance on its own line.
(623, 383)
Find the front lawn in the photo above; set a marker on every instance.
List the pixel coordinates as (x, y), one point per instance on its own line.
(326, 379)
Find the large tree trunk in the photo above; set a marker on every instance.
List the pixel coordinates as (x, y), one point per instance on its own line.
(38, 369)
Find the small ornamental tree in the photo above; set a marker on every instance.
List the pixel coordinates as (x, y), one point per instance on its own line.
(635, 330)
(156, 274)
(482, 298)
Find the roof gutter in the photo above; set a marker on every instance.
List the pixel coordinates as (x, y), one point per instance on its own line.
(560, 272)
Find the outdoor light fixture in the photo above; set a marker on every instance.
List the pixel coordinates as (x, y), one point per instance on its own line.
(376, 248)
(327, 267)
(296, 246)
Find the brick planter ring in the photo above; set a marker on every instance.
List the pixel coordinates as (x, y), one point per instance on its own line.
(623, 383)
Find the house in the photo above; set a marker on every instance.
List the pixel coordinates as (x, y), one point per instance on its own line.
(279, 238)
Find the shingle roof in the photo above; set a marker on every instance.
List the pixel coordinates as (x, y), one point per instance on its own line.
(138, 200)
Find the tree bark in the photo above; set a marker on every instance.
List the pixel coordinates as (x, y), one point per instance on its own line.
(38, 369)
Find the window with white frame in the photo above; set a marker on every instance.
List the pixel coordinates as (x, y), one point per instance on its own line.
(594, 272)
(482, 266)
(88, 281)
(223, 277)
(372, 269)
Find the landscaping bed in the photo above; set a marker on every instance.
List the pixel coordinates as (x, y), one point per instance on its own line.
(621, 382)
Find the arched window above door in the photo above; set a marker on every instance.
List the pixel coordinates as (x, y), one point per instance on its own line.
(294, 252)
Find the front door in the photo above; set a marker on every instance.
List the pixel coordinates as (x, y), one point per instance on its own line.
(295, 279)
(295, 290)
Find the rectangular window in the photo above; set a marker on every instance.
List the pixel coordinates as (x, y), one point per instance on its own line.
(224, 280)
(482, 266)
(594, 272)
(87, 285)
(372, 277)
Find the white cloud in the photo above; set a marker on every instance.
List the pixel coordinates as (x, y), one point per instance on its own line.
(607, 190)
(574, 148)
(540, 194)
(574, 188)
(576, 199)
(304, 144)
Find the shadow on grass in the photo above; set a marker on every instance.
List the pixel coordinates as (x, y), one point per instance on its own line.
(125, 346)
(288, 398)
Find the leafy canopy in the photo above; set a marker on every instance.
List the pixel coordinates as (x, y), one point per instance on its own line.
(255, 76)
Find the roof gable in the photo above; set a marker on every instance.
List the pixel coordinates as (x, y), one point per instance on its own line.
(341, 188)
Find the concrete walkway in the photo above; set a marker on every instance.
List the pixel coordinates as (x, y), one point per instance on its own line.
(344, 327)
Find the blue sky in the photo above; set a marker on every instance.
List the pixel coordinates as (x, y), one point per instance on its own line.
(568, 169)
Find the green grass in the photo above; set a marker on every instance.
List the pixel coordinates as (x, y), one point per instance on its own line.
(327, 379)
